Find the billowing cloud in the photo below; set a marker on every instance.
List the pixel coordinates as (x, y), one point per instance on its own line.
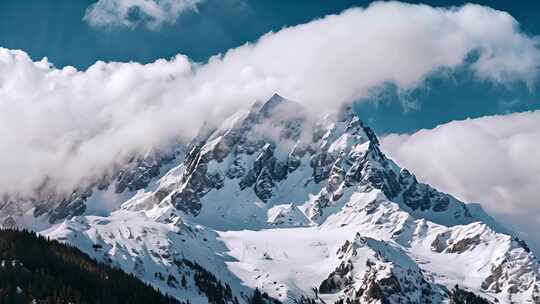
(491, 160)
(66, 125)
(152, 13)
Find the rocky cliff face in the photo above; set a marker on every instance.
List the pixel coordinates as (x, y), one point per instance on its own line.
(303, 209)
(372, 271)
(52, 207)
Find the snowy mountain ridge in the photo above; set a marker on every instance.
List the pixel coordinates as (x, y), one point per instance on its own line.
(302, 209)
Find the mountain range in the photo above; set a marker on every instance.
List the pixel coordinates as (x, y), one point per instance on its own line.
(278, 206)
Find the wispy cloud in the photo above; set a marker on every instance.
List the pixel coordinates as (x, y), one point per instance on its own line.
(66, 125)
(491, 160)
(130, 13)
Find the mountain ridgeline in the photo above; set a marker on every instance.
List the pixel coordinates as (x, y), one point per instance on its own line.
(276, 206)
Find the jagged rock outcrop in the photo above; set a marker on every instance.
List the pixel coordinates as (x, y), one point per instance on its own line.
(136, 174)
(243, 149)
(375, 272)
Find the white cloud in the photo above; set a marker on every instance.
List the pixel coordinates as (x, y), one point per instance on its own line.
(68, 125)
(491, 160)
(152, 13)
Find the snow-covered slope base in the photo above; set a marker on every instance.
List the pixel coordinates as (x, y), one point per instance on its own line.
(304, 211)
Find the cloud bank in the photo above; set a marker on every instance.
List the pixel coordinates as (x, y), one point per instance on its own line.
(66, 126)
(130, 13)
(491, 160)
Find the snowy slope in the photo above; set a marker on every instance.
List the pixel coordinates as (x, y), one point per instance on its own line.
(298, 208)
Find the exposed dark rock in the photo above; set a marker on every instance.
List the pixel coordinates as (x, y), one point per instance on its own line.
(236, 170)
(521, 243)
(441, 203)
(139, 172)
(294, 159)
(67, 208)
(492, 282)
(439, 244)
(338, 279)
(373, 291)
(464, 245)
(264, 185)
(322, 201)
(248, 180)
(187, 201)
(322, 164)
(390, 284)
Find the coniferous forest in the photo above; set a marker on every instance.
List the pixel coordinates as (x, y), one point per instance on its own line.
(36, 270)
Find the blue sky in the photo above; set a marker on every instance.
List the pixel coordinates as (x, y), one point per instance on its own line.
(56, 29)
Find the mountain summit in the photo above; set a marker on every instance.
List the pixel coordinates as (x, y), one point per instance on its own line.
(299, 210)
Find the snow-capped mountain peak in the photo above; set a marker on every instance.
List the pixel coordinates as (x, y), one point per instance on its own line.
(296, 207)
